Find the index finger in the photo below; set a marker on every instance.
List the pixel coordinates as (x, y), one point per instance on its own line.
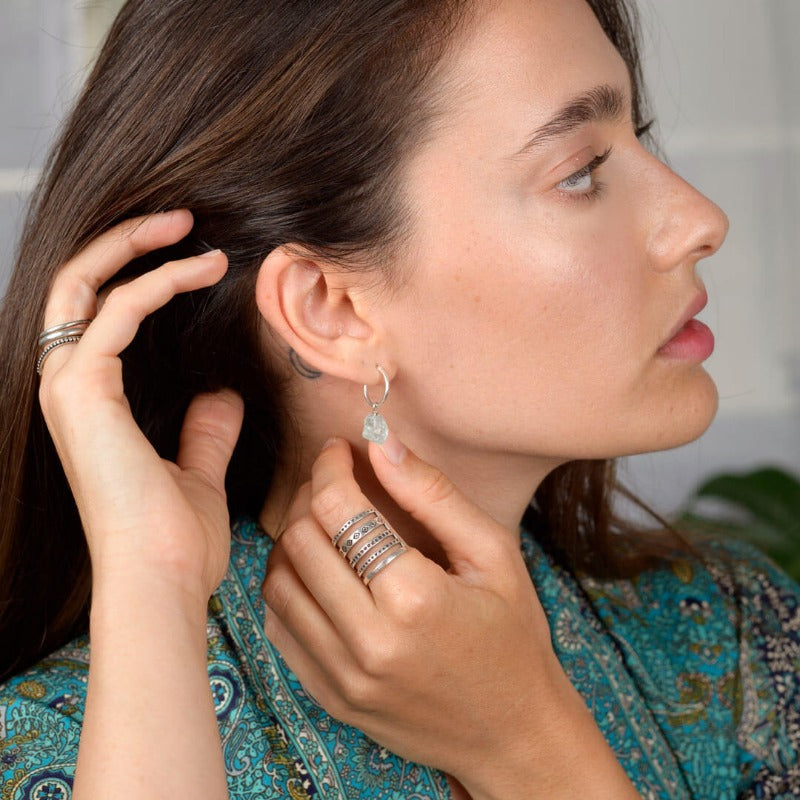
(73, 294)
(361, 532)
(335, 494)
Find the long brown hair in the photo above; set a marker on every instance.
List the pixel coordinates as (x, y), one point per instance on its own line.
(273, 121)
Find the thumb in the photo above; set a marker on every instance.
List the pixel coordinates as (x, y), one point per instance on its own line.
(468, 535)
(210, 430)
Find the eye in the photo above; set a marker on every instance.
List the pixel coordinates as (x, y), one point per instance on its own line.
(582, 184)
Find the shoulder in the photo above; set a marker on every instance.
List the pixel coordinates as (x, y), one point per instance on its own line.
(41, 711)
(741, 570)
(764, 604)
(718, 636)
(730, 586)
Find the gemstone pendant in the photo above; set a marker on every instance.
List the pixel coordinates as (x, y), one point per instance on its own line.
(375, 428)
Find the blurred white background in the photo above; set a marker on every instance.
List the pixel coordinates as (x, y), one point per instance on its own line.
(724, 76)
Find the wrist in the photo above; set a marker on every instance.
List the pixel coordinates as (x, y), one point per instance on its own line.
(127, 596)
(563, 756)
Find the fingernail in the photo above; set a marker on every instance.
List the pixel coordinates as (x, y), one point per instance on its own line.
(394, 449)
(330, 442)
(210, 253)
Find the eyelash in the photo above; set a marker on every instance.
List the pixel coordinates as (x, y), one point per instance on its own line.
(597, 161)
(597, 186)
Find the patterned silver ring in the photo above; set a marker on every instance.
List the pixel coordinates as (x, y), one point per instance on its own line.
(364, 544)
(359, 534)
(349, 524)
(377, 553)
(52, 346)
(354, 559)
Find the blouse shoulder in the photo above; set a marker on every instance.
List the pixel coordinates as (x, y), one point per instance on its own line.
(764, 607)
(41, 711)
(720, 637)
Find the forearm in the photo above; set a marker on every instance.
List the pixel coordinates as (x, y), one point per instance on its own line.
(149, 729)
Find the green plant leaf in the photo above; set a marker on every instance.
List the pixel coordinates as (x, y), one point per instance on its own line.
(775, 542)
(760, 507)
(771, 495)
(791, 567)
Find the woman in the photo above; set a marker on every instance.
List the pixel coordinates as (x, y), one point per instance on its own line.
(444, 209)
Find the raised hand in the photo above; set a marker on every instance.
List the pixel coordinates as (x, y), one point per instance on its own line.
(138, 510)
(158, 532)
(451, 668)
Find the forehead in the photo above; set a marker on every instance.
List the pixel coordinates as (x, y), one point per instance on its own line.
(528, 57)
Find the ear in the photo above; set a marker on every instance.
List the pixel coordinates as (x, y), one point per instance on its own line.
(318, 311)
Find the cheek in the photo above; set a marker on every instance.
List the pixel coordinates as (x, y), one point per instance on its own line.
(551, 304)
(545, 317)
(573, 305)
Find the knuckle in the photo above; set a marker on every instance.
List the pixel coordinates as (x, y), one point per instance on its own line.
(117, 296)
(411, 597)
(68, 283)
(355, 690)
(377, 656)
(53, 390)
(411, 604)
(317, 690)
(168, 270)
(296, 530)
(329, 502)
(333, 704)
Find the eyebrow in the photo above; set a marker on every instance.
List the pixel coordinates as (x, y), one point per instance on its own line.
(601, 104)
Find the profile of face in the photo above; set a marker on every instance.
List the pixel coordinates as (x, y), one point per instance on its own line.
(541, 289)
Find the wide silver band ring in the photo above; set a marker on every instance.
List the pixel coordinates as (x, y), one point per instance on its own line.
(382, 565)
(368, 543)
(377, 553)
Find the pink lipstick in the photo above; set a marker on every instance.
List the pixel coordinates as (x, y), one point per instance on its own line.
(690, 340)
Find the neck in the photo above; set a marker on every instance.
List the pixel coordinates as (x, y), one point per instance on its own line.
(501, 483)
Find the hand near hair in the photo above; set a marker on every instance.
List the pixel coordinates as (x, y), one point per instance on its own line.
(182, 529)
(158, 532)
(454, 668)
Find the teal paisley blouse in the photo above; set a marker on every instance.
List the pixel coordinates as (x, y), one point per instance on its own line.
(692, 673)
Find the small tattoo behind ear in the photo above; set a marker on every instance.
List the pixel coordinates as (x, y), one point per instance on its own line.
(301, 368)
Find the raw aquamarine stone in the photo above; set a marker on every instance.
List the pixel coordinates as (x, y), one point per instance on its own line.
(375, 428)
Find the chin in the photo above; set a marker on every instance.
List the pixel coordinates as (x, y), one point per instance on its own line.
(677, 416)
(689, 415)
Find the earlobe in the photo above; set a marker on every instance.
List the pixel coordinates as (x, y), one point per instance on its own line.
(310, 306)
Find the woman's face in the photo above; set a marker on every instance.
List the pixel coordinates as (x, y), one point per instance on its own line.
(539, 295)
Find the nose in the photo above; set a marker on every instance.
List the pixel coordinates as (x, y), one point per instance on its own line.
(686, 227)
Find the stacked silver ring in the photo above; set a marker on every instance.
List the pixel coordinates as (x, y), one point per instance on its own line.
(54, 337)
(368, 543)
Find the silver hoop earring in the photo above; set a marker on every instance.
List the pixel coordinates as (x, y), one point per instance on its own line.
(375, 428)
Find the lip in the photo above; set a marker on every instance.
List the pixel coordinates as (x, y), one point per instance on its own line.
(699, 302)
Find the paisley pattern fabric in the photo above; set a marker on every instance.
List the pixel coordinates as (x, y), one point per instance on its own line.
(692, 674)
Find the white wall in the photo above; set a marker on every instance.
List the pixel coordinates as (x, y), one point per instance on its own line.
(725, 75)
(45, 48)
